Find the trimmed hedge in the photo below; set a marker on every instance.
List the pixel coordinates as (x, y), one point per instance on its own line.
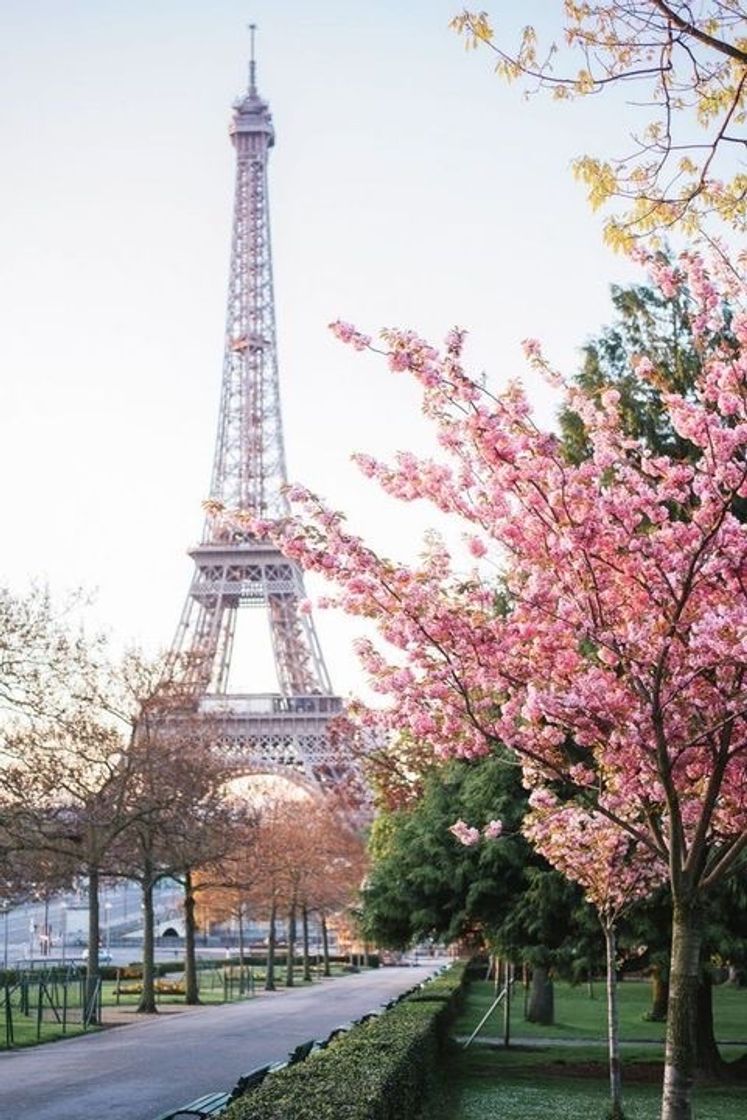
(380, 1070)
(134, 971)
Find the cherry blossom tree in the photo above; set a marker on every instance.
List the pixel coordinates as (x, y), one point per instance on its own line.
(592, 851)
(610, 654)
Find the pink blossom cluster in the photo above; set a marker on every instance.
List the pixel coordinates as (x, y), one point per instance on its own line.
(346, 332)
(469, 835)
(465, 834)
(619, 620)
(592, 851)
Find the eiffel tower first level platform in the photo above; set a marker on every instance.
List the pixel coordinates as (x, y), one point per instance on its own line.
(235, 572)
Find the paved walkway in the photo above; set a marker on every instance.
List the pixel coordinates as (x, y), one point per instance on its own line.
(136, 1071)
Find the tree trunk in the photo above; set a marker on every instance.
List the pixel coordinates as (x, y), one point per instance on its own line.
(147, 1002)
(325, 946)
(92, 963)
(613, 1025)
(541, 1008)
(680, 1051)
(508, 970)
(242, 978)
(306, 956)
(191, 993)
(289, 978)
(659, 996)
(708, 1061)
(270, 969)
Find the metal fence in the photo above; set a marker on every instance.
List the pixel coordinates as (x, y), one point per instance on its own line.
(35, 998)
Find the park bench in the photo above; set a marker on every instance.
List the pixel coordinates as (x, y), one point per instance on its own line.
(342, 1029)
(301, 1052)
(212, 1104)
(250, 1080)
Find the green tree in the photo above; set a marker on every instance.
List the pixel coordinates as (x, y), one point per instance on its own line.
(645, 322)
(424, 883)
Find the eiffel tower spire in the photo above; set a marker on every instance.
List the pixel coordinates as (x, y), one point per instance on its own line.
(234, 570)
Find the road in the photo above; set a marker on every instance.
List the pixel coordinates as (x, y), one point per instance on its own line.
(136, 1071)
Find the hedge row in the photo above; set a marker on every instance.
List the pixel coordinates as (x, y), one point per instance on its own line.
(380, 1070)
(134, 971)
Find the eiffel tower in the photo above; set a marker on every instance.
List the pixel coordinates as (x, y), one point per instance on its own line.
(284, 731)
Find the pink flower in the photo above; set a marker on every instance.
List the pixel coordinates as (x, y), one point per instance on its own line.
(477, 547)
(465, 834)
(610, 398)
(346, 332)
(493, 830)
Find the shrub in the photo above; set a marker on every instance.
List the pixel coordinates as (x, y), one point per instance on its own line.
(380, 1070)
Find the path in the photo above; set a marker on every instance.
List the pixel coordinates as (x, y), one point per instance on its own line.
(136, 1071)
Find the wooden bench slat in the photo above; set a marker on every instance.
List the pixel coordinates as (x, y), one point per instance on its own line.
(209, 1105)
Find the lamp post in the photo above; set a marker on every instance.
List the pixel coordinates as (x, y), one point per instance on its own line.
(63, 927)
(107, 927)
(45, 951)
(6, 912)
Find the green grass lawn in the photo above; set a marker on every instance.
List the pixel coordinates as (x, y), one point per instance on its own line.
(579, 1017)
(566, 1078)
(212, 988)
(490, 1084)
(25, 1031)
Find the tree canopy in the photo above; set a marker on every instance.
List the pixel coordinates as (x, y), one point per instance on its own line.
(614, 662)
(686, 65)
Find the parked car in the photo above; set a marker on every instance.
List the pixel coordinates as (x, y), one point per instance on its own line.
(105, 956)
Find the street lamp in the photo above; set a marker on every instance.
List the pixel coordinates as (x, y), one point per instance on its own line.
(45, 950)
(6, 911)
(63, 927)
(107, 930)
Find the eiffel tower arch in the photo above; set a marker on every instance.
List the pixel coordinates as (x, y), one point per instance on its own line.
(284, 731)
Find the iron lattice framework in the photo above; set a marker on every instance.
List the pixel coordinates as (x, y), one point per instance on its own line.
(233, 570)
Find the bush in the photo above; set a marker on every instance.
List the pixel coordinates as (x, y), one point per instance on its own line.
(380, 1070)
(447, 989)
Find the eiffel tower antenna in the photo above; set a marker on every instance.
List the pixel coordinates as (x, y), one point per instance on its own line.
(252, 61)
(235, 571)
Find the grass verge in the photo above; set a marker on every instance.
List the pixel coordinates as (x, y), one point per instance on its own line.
(564, 1077)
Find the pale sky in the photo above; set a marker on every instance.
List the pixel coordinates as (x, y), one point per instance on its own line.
(408, 187)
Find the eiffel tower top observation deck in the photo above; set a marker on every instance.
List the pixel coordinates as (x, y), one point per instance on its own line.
(234, 569)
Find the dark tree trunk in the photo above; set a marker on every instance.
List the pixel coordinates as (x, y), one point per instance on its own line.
(242, 978)
(508, 972)
(306, 956)
(270, 969)
(325, 946)
(541, 1007)
(659, 996)
(92, 963)
(147, 1002)
(289, 978)
(708, 1062)
(681, 1049)
(191, 993)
